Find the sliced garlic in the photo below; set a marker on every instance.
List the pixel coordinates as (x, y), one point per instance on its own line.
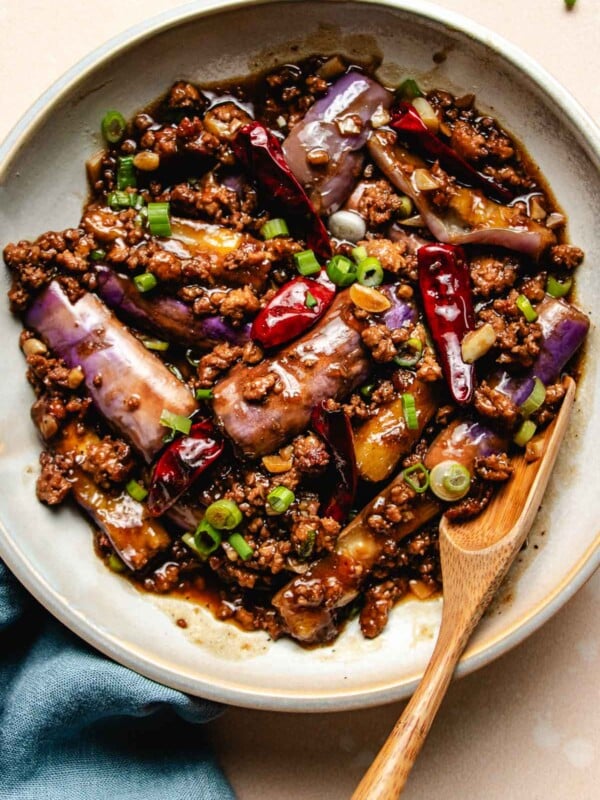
(477, 343)
(424, 181)
(425, 110)
(347, 225)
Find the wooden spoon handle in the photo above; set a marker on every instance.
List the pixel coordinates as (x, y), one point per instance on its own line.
(387, 775)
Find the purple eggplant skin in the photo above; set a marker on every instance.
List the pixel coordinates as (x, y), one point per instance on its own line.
(564, 328)
(401, 313)
(464, 441)
(163, 316)
(329, 361)
(127, 383)
(323, 127)
(471, 218)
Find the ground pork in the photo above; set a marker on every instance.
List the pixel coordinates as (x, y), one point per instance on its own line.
(310, 454)
(566, 255)
(493, 275)
(472, 504)
(495, 467)
(215, 202)
(495, 405)
(184, 95)
(55, 478)
(383, 342)
(257, 389)
(379, 204)
(378, 602)
(216, 362)
(517, 341)
(109, 462)
(394, 257)
(35, 264)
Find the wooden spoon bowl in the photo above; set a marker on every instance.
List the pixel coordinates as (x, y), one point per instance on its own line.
(475, 556)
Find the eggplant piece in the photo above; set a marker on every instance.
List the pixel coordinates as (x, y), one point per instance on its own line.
(127, 383)
(308, 603)
(329, 361)
(337, 125)
(163, 316)
(400, 312)
(564, 328)
(381, 442)
(135, 535)
(471, 218)
(213, 244)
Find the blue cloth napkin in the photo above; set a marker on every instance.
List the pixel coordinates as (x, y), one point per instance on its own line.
(76, 726)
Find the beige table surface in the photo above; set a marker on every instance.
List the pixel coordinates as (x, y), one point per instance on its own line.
(524, 728)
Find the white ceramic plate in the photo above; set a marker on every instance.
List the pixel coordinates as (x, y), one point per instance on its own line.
(42, 186)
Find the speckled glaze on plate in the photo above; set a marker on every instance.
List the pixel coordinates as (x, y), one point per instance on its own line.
(42, 186)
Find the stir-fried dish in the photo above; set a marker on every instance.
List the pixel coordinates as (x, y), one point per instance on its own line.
(302, 316)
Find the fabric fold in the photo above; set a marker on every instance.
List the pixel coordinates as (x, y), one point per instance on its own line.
(74, 724)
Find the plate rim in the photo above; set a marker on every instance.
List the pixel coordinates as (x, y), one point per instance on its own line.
(587, 133)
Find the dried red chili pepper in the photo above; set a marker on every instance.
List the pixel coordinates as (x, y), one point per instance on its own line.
(334, 427)
(180, 464)
(293, 310)
(406, 120)
(445, 286)
(260, 152)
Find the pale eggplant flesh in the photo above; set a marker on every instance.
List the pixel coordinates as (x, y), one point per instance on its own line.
(470, 217)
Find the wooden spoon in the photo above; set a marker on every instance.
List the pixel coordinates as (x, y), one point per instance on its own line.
(475, 557)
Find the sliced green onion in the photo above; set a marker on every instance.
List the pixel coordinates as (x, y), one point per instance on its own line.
(176, 422)
(273, 228)
(126, 173)
(535, 399)
(155, 344)
(359, 254)
(224, 515)
(98, 254)
(449, 480)
(367, 391)
(525, 432)
(204, 394)
(409, 409)
(280, 499)
(306, 263)
(158, 219)
(176, 371)
(241, 546)
(145, 282)
(304, 550)
(457, 480)
(115, 563)
(526, 308)
(420, 481)
(341, 271)
(369, 272)
(136, 490)
(189, 357)
(137, 201)
(113, 126)
(204, 541)
(556, 288)
(121, 199)
(409, 89)
(310, 300)
(414, 344)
